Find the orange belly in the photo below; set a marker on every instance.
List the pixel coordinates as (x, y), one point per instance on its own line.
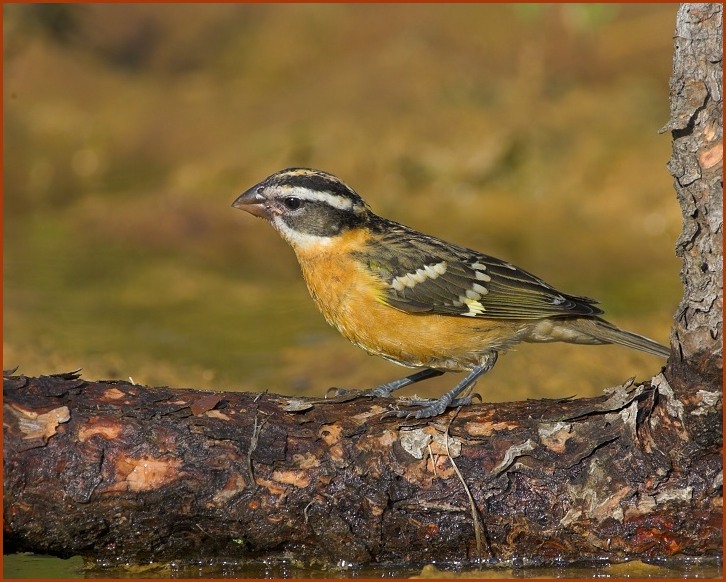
(350, 298)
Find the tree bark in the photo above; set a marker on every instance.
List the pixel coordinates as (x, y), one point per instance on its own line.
(695, 368)
(696, 165)
(115, 471)
(119, 472)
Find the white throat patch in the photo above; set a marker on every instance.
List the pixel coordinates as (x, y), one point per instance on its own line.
(298, 239)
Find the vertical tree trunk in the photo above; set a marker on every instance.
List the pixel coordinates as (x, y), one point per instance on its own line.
(696, 124)
(696, 164)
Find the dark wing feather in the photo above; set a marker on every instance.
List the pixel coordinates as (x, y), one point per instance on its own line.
(426, 274)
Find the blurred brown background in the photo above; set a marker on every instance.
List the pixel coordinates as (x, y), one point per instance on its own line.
(529, 132)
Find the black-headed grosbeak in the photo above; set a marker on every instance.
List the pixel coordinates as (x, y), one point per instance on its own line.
(414, 299)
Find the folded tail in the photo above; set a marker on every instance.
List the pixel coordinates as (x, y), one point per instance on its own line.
(605, 332)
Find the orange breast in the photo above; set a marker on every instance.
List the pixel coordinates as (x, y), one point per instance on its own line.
(351, 299)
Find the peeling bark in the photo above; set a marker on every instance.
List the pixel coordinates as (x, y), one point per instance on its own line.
(137, 474)
(696, 125)
(119, 472)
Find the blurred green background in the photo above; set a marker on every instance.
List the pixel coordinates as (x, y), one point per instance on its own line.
(529, 132)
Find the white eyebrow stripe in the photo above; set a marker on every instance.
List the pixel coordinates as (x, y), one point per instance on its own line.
(334, 200)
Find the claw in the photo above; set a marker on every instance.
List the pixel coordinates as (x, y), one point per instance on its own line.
(391, 413)
(477, 396)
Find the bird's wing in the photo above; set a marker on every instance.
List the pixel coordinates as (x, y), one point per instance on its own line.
(425, 274)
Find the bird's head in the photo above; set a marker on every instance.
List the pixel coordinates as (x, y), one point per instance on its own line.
(305, 205)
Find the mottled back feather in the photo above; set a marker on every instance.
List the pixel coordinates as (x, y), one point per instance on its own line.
(426, 274)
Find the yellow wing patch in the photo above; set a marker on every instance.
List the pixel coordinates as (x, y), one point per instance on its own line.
(475, 307)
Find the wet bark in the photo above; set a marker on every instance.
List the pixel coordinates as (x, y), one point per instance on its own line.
(119, 472)
(115, 471)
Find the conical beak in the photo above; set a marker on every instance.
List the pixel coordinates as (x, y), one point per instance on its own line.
(254, 202)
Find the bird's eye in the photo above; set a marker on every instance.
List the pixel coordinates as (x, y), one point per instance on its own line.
(292, 203)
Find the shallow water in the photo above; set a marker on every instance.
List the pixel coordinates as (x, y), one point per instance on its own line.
(34, 566)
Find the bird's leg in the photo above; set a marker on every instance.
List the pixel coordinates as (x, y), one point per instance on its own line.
(385, 390)
(449, 399)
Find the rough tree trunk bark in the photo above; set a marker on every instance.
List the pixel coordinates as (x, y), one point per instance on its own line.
(696, 165)
(115, 471)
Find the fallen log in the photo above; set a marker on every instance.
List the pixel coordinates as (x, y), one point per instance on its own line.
(115, 471)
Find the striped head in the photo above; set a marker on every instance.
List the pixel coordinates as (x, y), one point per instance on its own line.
(307, 207)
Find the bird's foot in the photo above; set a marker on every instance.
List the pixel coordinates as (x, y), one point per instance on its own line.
(431, 408)
(428, 407)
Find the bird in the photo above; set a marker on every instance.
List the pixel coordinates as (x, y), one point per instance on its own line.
(415, 299)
